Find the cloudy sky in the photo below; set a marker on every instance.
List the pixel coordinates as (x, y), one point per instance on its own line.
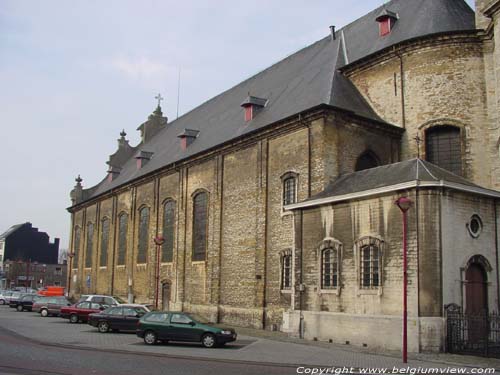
(73, 74)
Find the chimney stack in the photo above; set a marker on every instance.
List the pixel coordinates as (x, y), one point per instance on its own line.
(332, 32)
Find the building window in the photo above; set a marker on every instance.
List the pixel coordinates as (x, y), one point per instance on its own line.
(367, 160)
(286, 270)
(167, 249)
(76, 247)
(329, 269)
(90, 245)
(142, 253)
(475, 226)
(104, 242)
(289, 181)
(443, 147)
(58, 271)
(200, 221)
(370, 266)
(122, 238)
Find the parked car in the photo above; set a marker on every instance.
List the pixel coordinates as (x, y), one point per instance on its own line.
(24, 303)
(80, 311)
(4, 297)
(48, 306)
(118, 318)
(98, 298)
(13, 297)
(177, 326)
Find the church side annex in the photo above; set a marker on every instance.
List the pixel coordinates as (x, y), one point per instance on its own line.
(275, 199)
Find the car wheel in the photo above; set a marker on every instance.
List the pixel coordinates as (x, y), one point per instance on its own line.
(208, 340)
(44, 313)
(19, 308)
(103, 327)
(73, 318)
(2, 302)
(150, 338)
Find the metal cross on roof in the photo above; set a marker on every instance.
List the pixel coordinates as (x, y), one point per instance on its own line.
(159, 98)
(418, 140)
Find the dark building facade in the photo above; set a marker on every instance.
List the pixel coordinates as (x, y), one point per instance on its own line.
(23, 242)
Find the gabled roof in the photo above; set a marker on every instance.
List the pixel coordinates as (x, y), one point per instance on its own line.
(302, 81)
(9, 231)
(389, 178)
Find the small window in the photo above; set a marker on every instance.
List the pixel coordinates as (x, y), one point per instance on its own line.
(103, 261)
(114, 311)
(286, 271)
(157, 317)
(129, 312)
(475, 226)
(289, 182)
(167, 249)
(83, 305)
(76, 247)
(90, 245)
(370, 266)
(95, 306)
(367, 160)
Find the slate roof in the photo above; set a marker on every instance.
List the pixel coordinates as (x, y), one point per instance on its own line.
(304, 80)
(392, 175)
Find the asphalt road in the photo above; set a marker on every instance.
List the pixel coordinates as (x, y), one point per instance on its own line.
(19, 355)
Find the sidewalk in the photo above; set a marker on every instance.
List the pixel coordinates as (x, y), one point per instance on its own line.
(252, 346)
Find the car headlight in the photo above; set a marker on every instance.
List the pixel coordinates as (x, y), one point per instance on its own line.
(226, 332)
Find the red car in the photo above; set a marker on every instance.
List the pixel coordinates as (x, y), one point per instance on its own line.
(80, 311)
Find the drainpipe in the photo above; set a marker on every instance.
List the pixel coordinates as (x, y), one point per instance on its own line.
(496, 253)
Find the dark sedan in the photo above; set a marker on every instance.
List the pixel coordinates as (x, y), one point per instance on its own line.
(118, 318)
(177, 326)
(24, 303)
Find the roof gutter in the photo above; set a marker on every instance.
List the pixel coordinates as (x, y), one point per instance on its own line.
(393, 188)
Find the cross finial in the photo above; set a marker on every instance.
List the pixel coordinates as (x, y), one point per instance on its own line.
(159, 98)
(418, 140)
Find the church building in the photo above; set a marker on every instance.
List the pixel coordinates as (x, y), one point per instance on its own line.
(273, 204)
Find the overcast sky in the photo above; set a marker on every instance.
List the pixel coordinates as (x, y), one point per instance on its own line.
(73, 74)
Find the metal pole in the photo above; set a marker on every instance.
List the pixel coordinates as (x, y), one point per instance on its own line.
(157, 278)
(405, 297)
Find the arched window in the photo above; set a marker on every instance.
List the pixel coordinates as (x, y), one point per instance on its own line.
(103, 260)
(200, 222)
(122, 238)
(167, 250)
(286, 270)
(367, 160)
(90, 245)
(289, 181)
(76, 246)
(142, 251)
(370, 266)
(443, 147)
(329, 268)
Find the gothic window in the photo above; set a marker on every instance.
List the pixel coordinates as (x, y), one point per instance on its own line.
(122, 238)
(76, 247)
(90, 245)
(289, 181)
(167, 250)
(370, 266)
(142, 253)
(443, 147)
(200, 222)
(367, 160)
(103, 261)
(329, 268)
(286, 270)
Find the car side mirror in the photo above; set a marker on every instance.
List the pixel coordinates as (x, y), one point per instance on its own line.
(191, 323)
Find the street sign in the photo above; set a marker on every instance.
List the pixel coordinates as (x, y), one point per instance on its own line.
(88, 281)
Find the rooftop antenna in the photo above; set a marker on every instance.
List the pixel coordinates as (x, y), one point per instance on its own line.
(178, 91)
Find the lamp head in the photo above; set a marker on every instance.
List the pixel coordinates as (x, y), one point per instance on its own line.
(404, 203)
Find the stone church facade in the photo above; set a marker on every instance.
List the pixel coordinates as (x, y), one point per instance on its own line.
(275, 199)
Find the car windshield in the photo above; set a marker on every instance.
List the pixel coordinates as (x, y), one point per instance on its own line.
(119, 300)
(199, 319)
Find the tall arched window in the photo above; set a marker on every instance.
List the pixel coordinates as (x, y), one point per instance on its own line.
(142, 251)
(200, 224)
(329, 268)
(289, 182)
(367, 160)
(167, 250)
(122, 238)
(103, 260)
(90, 245)
(286, 270)
(443, 147)
(76, 246)
(370, 266)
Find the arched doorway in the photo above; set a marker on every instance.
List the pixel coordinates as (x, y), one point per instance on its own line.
(165, 295)
(476, 289)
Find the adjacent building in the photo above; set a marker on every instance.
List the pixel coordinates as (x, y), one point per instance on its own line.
(275, 199)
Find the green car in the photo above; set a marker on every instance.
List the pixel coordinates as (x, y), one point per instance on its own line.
(168, 326)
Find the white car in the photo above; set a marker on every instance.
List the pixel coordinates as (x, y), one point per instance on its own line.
(102, 299)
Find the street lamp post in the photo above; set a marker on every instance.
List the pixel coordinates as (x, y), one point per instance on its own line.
(404, 205)
(70, 256)
(159, 240)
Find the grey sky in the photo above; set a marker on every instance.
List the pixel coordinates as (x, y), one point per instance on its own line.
(75, 73)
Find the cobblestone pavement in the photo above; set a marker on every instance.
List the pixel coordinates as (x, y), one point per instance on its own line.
(252, 345)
